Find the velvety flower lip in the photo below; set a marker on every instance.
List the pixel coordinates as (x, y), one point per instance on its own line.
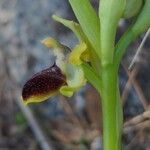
(43, 84)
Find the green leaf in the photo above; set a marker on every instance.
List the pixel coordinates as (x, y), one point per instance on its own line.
(89, 21)
(91, 76)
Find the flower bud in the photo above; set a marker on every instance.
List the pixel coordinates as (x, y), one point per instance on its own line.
(143, 20)
(132, 8)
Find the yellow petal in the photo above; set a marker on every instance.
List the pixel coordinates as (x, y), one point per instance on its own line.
(80, 51)
(86, 55)
(67, 91)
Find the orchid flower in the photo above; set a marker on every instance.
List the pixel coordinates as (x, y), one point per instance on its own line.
(66, 76)
(95, 58)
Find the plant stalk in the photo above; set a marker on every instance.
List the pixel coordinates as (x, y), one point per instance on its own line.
(111, 108)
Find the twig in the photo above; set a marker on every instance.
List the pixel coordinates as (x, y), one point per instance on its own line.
(133, 141)
(139, 49)
(138, 119)
(15, 93)
(140, 93)
(128, 84)
(140, 126)
(135, 85)
(69, 111)
(39, 135)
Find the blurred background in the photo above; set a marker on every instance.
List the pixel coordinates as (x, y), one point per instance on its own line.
(60, 123)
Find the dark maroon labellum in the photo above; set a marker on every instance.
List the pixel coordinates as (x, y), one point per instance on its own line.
(45, 82)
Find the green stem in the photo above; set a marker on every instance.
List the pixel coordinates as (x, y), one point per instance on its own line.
(112, 109)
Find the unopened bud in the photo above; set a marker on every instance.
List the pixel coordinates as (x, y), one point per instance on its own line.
(132, 8)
